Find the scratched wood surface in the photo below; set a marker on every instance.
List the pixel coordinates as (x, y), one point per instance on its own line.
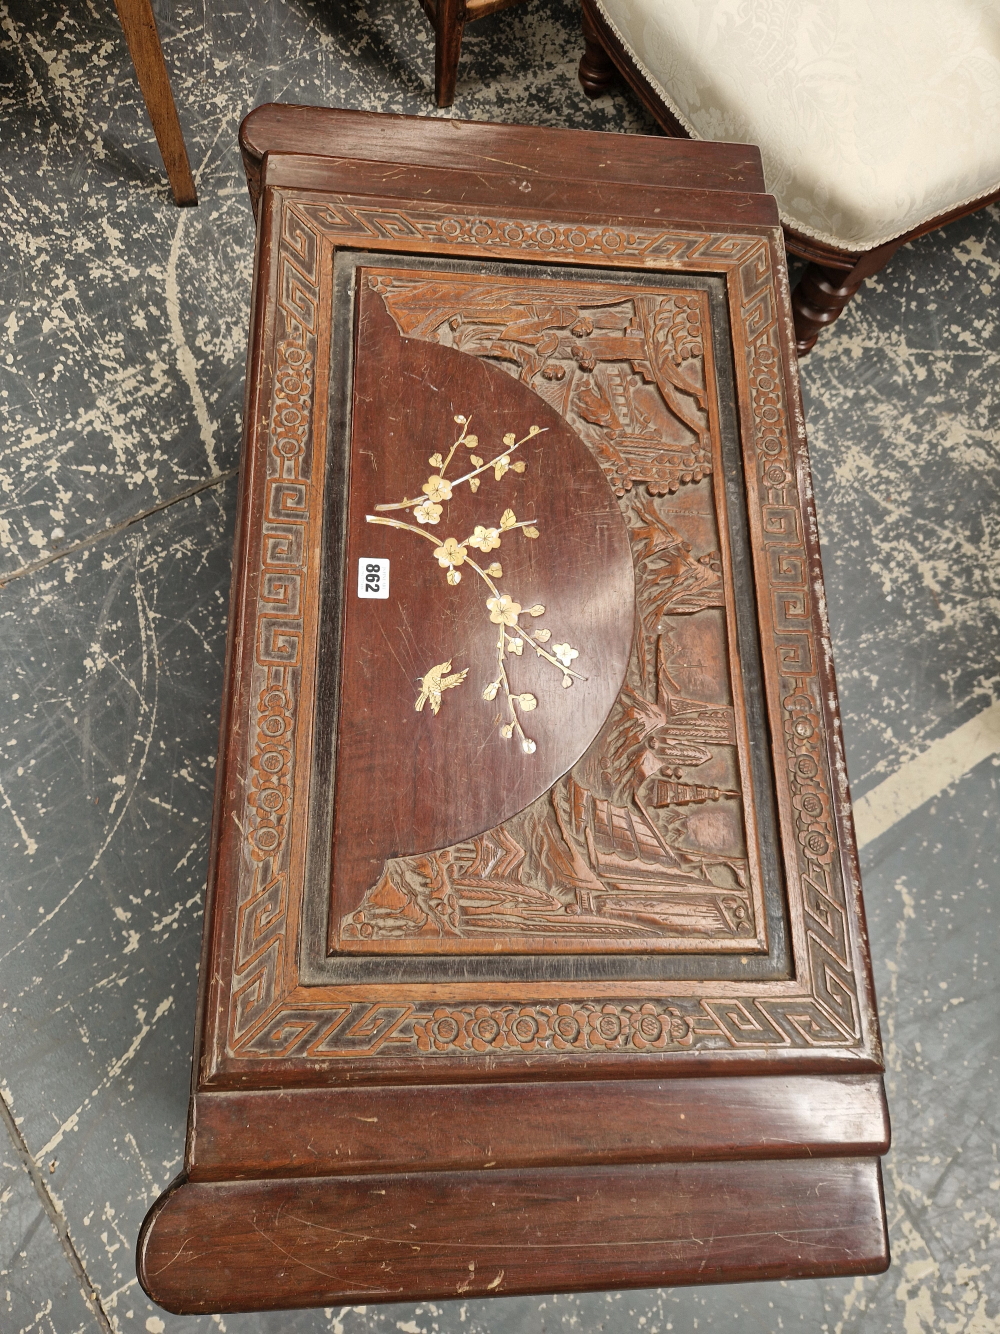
(631, 383)
(452, 1234)
(135, 314)
(307, 1132)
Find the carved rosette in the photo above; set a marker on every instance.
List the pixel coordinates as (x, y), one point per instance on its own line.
(533, 1028)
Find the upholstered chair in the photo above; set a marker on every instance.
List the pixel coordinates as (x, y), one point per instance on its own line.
(877, 120)
(143, 41)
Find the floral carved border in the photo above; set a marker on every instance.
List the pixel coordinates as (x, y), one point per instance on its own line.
(267, 1020)
(279, 625)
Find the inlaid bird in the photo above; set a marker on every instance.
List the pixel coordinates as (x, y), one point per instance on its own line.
(434, 682)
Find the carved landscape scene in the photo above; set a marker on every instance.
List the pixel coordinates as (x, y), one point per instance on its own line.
(644, 844)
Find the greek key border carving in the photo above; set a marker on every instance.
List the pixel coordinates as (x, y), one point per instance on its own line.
(264, 1022)
(278, 622)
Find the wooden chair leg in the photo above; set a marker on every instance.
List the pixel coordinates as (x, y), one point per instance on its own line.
(139, 27)
(819, 297)
(597, 70)
(449, 24)
(822, 293)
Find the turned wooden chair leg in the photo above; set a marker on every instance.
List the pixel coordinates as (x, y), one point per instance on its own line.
(818, 299)
(139, 27)
(449, 24)
(597, 71)
(822, 293)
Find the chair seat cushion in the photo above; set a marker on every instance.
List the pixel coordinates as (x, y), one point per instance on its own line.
(872, 116)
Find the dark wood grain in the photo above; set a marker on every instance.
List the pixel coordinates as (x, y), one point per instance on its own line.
(409, 780)
(597, 70)
(324, 1132)
(449, 25)
(458, 1234)
(467, 147)
(581, 1126)
(139, 26)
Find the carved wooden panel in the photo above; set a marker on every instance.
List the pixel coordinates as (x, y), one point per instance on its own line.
(643, 844)
(531, 815)
(260, 1011)
(493, 639)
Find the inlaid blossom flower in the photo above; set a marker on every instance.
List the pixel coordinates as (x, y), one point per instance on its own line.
(505, 611)
(484, 538)
(426, 512)
(437, 488)
(450, 553)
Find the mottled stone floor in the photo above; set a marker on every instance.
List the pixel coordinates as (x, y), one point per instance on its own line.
(122, 335)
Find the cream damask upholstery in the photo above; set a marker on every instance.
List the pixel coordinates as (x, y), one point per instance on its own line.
(872, 116)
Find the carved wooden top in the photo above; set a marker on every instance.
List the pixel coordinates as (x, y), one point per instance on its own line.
(405, 888)
(531, 820)
(644, 844)
(503, 640)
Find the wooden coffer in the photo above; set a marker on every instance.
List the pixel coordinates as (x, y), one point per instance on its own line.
(534, 953)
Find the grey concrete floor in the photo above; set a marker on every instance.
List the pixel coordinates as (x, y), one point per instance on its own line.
(122, 335)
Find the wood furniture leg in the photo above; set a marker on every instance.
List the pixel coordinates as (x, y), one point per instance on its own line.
(449, 26)
(822, 293)
(139, 27)
(597, 70)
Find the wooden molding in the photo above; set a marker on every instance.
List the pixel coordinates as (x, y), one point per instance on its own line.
(437, 1235)
(834, 274)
